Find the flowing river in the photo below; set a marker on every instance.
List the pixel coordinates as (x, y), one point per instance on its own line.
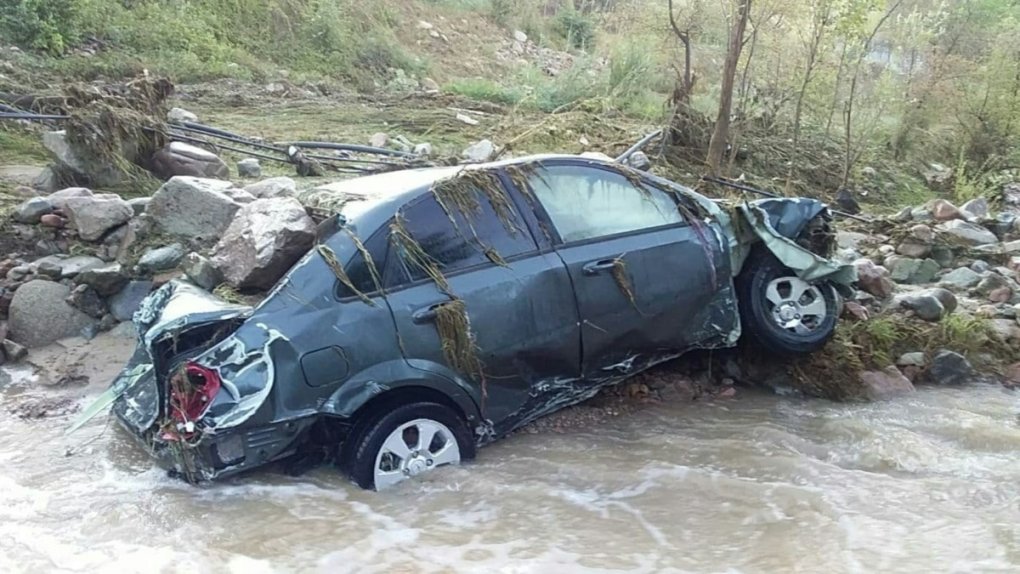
(757, 483)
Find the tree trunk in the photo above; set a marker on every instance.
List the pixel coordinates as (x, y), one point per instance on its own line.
(835, 89)
(717, 145)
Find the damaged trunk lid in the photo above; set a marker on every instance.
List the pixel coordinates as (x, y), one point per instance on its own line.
(175, 323)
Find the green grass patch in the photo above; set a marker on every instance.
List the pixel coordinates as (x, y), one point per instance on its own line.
(485, 90)
(21, 147)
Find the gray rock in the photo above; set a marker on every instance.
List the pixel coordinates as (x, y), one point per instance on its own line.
(272, 187)
(13, 351)
(990, 282)
(379, 139)
(969, 233)
(161, 258)
(912, 247)
(402, 143)
(93, 216)
(915, 359)
(124, 304)
(239, 195)
(88, 301)
(201, 271)
(479, 151)
(925, 306)
(1004, 222)
(58, 199)
(47, 181)
(181, 159)
(32, 210)
(21, 175)
(249, 167)
(910, 270)
(976, 208)
(885, 384)
(945, 297)
(850, 239)
(63, 267)
(904, 215)
(942, 255)
(138, 204)
(40, 315)
(949, 368)
(106, 280)
(962, 278)
(68, 160)
(522, 37)
(179, 115)
(423, 149)
(265, 239)
(639, 160)
(193, 207)
(980, 266)
(874, 279)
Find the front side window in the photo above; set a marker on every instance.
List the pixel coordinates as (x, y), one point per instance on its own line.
(455, 240)
(587, 203)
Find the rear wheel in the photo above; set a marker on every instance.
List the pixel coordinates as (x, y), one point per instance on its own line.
(784, 313)
(409, 440)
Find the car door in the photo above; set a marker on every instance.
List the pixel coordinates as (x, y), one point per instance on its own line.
(520, 308)
(644, 277)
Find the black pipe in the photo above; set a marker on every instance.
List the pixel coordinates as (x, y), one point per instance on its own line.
(30, 116)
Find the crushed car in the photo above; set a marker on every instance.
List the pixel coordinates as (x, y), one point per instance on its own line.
(443, 308)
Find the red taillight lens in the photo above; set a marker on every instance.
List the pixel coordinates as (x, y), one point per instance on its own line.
(190, 397)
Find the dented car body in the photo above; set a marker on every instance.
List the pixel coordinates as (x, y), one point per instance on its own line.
(497, 293)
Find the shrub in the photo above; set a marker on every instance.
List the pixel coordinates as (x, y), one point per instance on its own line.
(576, 28)
(48, 25)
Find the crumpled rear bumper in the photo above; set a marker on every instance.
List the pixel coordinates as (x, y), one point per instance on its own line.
(219, 455)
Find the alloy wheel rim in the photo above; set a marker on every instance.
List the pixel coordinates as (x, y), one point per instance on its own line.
(795, 305)
(414, 448)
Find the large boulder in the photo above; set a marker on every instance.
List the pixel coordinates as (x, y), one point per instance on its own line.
(885, 384)
(58, 199)
(177, 158)
(265, 239)
(273, 187)
(969, 233)
(94, 215)
(69, 161)
(106, 280)
(193, 207)
(40, 314)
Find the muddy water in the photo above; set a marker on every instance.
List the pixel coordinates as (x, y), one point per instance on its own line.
(753, 484)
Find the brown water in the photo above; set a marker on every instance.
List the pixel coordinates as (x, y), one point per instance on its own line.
(759, 483)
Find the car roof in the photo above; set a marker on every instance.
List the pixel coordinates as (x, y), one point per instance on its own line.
(385, 193)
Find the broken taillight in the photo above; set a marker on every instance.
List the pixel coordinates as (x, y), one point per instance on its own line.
(192, 391)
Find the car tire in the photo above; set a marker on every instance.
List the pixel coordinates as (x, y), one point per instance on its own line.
(367, 454)
(783, 313)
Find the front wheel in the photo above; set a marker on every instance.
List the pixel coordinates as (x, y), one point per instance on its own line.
(784, 313)
(405, 442)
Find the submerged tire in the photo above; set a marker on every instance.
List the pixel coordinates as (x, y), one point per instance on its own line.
(783, 313)
(394, 445)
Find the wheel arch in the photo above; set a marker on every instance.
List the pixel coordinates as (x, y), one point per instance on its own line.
(395, 383)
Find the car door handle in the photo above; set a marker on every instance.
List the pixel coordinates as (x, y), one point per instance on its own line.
(425, 314)
(597, 267)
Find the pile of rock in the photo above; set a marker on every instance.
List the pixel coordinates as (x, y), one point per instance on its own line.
(933, 261)
(102, 254)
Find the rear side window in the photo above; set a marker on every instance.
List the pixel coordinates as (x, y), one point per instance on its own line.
(358, 269)
(587, 202)
(458, 240)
